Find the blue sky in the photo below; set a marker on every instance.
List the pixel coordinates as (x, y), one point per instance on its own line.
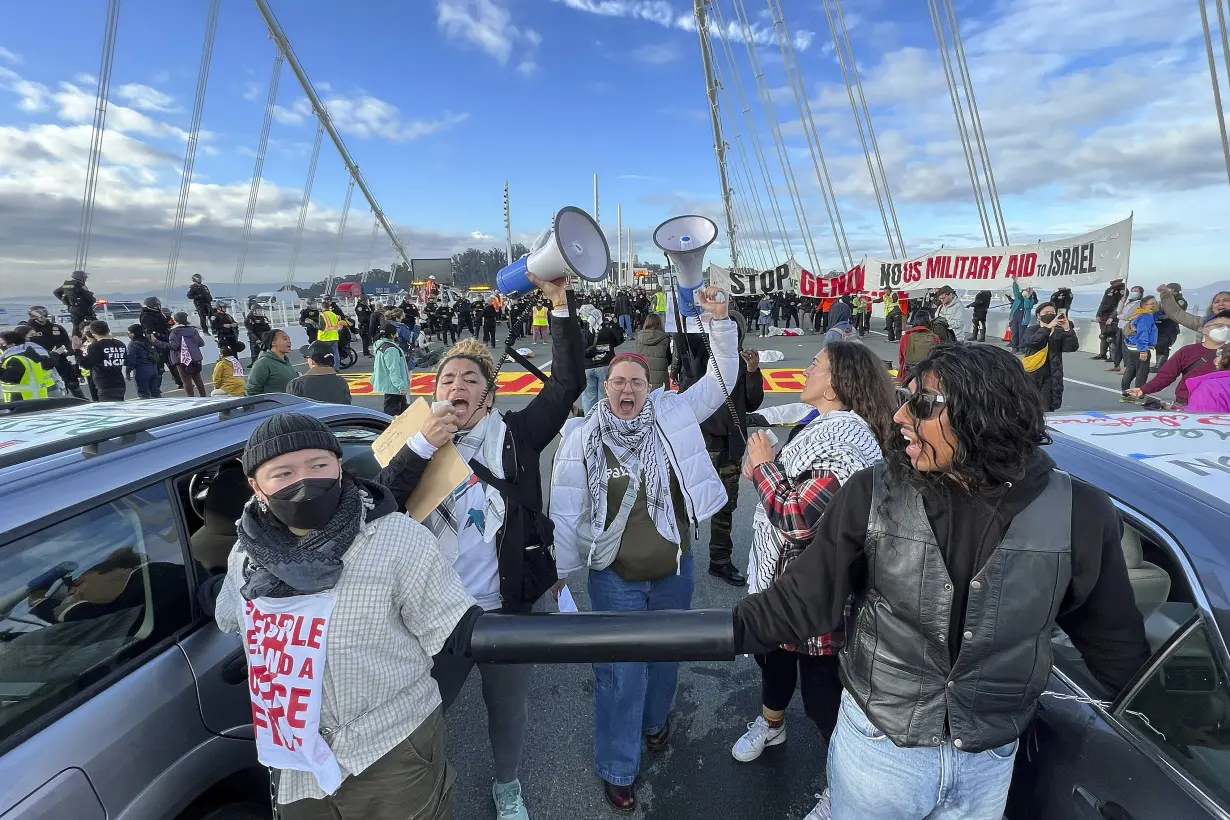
(1090, 111)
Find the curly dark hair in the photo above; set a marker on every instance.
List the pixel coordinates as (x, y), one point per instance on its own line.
(864, 386)
(994, 413)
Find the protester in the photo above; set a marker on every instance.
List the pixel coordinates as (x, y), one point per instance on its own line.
(106, 358)
(321, 382)
(853, 395)
(1108, 319)
(1191, 321)
(317, 542)
(500, 503)
(1127, 307)
(654, 346)
(764, 315)
(144, 356)
(273, 370)
(390, 373)
(631, 482)
(1023, 302)
(185, 342)
(969, 515)
(227, 377)
(954, 313)
(892, 315)
(1042, 348)
(597, 359)
(979, 308)
(841, 328)
(1190, 361)
(1139, 339)
(1210, 393)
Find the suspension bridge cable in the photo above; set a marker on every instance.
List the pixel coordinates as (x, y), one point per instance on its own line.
(371, 248)
(245, 236)
(1221, 116)
(976, 120)
(101, 97)
(752, 246)
(766, 235)
(304, 205)
(341, 236)
(194, 133)
(745, 108)
(715, 116)
(842, 60)
(799, 88)
(959, 115)
(783, 156)
(871, 131)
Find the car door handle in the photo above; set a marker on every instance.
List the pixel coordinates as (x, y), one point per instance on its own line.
(235, 668)
(1109, 811)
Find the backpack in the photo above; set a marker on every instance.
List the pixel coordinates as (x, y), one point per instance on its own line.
(919, 342)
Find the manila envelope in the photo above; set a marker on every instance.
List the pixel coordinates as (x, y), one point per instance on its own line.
(444, 472)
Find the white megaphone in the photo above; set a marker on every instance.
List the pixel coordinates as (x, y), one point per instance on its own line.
(684, 240)
(573, 244)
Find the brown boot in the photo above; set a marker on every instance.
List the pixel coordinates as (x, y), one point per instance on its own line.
(657, 742)
(621, 798)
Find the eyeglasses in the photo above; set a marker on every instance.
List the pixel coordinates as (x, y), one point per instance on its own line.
(922, 405)
(619, 383)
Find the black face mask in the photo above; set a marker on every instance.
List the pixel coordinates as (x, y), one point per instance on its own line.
(308, 504)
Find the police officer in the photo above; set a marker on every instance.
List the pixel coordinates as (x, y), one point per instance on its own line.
(226, 329)
(309, 318)
(199, 293)
(78, 299)
(257, 325)
(363, 313)
(24, 373)
(157, 325)
(56, 341)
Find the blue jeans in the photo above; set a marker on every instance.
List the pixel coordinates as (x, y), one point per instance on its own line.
(871, 778)
(625, 322)
(148, 381)
(1016, 322)
(632, 700)
(594, 377)
(337, 355)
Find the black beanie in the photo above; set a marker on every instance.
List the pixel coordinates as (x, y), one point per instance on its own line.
(287, 433)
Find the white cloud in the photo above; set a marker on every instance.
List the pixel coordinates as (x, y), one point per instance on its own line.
(367, 117)
(487, 24)
(32, 96)
(479, 236)
(252, 91)
(11, 56)
(665, 14)
(162, 77)
(86, 79)
(145, 98)
(527, 68)
(655, 54)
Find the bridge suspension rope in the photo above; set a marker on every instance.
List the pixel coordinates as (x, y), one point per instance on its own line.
(101, 97)
(341, 237)
(194, 133)
(304, 206)
(255, 189)
(371, 247)
(1208, 44)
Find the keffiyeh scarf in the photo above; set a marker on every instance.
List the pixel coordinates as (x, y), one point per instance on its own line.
(638, 449)
(485, 442)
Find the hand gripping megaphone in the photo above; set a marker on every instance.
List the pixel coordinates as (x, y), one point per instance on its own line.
(684, 240)
(573, 244)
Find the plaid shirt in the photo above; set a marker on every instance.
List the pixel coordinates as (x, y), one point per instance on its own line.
(398, 601)
(794, 508)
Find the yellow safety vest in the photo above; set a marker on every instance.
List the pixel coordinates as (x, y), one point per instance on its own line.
(659, 301)
(35, 382)
(540, 317)
(329, 333)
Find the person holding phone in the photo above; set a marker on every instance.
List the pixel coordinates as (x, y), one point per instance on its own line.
(1043, 346)
(492, 527)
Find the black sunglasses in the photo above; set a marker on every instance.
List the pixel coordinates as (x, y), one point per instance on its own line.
(922, 405)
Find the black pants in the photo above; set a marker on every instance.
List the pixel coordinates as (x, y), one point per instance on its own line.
(254, 346)
(367, 343)
(781, 670)
(1117, 352)
(489, 334)
(892, 325)
(203, 313)
(980, 327)
(394, 404)
(1134, 368)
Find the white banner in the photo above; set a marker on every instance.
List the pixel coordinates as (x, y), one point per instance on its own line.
(785, 278)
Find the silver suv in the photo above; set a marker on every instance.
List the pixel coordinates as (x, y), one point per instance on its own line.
(118, 696)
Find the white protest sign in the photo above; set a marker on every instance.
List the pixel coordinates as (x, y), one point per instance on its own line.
(285, 641)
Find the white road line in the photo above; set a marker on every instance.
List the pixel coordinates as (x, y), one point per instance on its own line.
(545, 364)
(1094, 386)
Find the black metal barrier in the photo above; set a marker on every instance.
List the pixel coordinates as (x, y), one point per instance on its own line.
(605, 637)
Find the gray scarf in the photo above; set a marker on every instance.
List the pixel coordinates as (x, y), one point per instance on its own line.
(283, 565)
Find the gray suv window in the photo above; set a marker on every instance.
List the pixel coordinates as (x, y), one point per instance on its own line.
(82, 597)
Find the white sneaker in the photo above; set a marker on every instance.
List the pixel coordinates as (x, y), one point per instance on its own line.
(509, 804)
(823, 809)
(759, 735)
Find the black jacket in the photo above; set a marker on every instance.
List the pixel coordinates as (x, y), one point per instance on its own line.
(1098, 611)
(1062, 299)
(719, 429)
(77, 298)
(1109, 306)
(527, 567)
(982, 303)
(155, 324)
(1049, 377)
(200, 296)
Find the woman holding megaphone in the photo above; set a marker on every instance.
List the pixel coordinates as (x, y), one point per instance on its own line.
(631, 484)
(492, 528)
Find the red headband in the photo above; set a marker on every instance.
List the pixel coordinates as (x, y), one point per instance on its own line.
(630, 355)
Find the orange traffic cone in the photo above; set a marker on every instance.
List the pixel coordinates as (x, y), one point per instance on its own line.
(1008, 335)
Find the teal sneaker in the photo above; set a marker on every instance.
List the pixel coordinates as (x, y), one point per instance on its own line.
(509, 805)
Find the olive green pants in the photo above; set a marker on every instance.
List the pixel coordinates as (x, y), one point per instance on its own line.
(412, 782)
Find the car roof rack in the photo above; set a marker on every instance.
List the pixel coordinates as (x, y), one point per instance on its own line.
(25, 406)
(90, 441)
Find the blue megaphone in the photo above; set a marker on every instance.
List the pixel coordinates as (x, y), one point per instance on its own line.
(573, 244)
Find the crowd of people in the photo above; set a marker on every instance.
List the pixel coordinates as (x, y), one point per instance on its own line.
(931, 488)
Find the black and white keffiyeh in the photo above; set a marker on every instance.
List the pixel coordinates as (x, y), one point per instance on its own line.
(638, 449)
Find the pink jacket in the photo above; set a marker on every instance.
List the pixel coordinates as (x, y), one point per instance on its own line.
(1210, 393)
